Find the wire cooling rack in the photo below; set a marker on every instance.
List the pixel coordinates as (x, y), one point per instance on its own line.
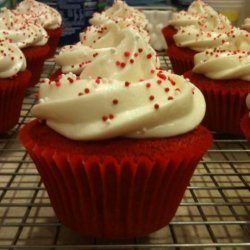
(214, 213)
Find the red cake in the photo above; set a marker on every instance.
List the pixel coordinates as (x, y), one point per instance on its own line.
(116, 188)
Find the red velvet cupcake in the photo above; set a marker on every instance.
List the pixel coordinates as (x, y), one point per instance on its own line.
(168, 33)
(14, 80)
(99, 183)
(222, 77)
(49, 18)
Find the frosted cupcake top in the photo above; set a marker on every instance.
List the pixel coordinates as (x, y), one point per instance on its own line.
(117, 53)
(120, 12)
(222, 64)
(121, 92)
(196, 10)
(12, 60)
(42, 14)
(209, 33)
(14, 28)
(246, 24)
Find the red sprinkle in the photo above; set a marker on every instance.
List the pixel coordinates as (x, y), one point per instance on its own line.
(166, 89)
(156, 106)
(131, 61)
(111, 116)
(127, 54)
(151, 98)
(127, 84)
(148, 85)
(104, 118)
(149, 56)
(86, 91)
(115, 101)
(140, 50)
(123, 64)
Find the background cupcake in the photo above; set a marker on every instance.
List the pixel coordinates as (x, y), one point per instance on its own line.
(49, 18)
(210, 32)
(119, 163)
(195, 11)
(14, 79)
(246, 24)
(222, 75)
(29, 37)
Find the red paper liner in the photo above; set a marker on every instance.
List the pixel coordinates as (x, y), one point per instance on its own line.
(182, 59)
(245, 126)
(35, 57)
(225, 102)
(12, 92)
(54, 38)
(168, 33)
(117, 188)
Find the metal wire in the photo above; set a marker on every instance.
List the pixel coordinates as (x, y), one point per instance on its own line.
(214, 213)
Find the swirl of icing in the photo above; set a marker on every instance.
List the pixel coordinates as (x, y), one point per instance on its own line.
(246, 24)
(120, 12)
(15, 28)
(103, 36)
(198, 39)
(238, 40)
(12, 60)
(43, 14)
(222, 64)
(165, 106)
(196, 10)
(125, 60)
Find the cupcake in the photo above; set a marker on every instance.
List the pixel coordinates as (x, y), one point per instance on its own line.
(113, 167)
(211, 32)
(246, 24)
(14, 79)
(46, 16)
(29, 37)
(245, 121)
(222, 75)
(195, 11)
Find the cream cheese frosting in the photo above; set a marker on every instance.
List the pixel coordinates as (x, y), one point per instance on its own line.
(43, 14)
(132, 59)
(12, 60)
(246, 24)
(120, 12)
(196, 10)
(97, 109)
(14, 28)
(222, 64)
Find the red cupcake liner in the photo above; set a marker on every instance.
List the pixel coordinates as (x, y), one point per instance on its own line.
(54, 38)
(35, 57)
(12, 92)
(182, 59)
(118, 188)
(168, 33)
(245, 126)
(225, 102)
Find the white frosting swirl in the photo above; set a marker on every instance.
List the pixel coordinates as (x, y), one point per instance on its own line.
(196, 10)
(197, 39)
(87, 109)
(132, 59)
(238, 40)
(15, 28)
(12, 60)
(221, 64)
(103, 36)
(246, 24)
(43, 14)
(120, 12)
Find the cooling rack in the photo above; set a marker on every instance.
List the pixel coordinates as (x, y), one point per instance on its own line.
(214, 213)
